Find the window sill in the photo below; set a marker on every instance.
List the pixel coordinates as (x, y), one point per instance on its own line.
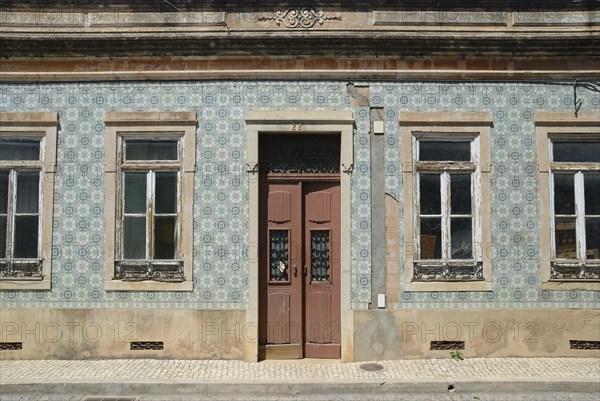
(118, 285)
(571, 285)
(448, 286)
(16, 285)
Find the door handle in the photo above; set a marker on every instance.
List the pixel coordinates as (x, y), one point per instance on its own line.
(295, 271)
(304, 270)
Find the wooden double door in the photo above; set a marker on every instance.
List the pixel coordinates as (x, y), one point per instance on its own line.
(299, 294)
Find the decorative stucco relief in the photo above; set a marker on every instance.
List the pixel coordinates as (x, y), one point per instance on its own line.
(300, 17)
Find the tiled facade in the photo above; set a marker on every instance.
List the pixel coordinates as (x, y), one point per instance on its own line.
(220, 272)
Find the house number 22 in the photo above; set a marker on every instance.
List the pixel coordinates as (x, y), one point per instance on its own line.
(296, 127)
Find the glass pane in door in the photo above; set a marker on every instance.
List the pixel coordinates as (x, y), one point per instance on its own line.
(319, 255)
(278, 255)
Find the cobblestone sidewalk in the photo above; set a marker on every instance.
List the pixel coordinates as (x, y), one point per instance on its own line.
(126, 370)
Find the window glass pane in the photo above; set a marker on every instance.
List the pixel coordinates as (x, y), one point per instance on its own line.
(165, 237)
(576, 151)
(3, 236)
(460, 193)
(151, 150)
(166, 192)
(26, 237)
(431, 238)
(134, 238)
(564, 194)
(592, 237)
(135, 193)
(319, 255)
(444, 151)
(28, 192)
(461, 238)
(566, 244)
(430, 199)
(3, 191)
(592, 194)
(278, 255)
(19, 150)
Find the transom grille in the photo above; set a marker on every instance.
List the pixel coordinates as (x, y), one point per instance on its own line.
(299, 154)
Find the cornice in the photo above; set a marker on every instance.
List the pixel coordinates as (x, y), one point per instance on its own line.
(48, 69)
(581, 45)
(319, 29)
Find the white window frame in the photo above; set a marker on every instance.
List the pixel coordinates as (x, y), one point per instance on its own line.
(42, 127)
(149, 168)
(123, 126)
(416, 127)
(563, 126)
(444, 169)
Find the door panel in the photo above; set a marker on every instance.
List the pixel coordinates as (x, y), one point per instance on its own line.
(279, 317)
(322, 281)
(318, 207)
(280, 292)
(299, 297)
(280, 203)
(320, 331)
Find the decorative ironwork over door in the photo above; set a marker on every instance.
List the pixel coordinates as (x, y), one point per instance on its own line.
(312, 154)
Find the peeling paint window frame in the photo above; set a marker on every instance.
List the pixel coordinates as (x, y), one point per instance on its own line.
(582, 259)
(447, 126)
(149, 274)
(581, 267)
(14, 267)
(561, 126)
(447, 268)
(149, 268)
(42, 127)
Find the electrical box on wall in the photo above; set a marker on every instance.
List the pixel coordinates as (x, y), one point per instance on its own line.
(378, 127)
(381, 300)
